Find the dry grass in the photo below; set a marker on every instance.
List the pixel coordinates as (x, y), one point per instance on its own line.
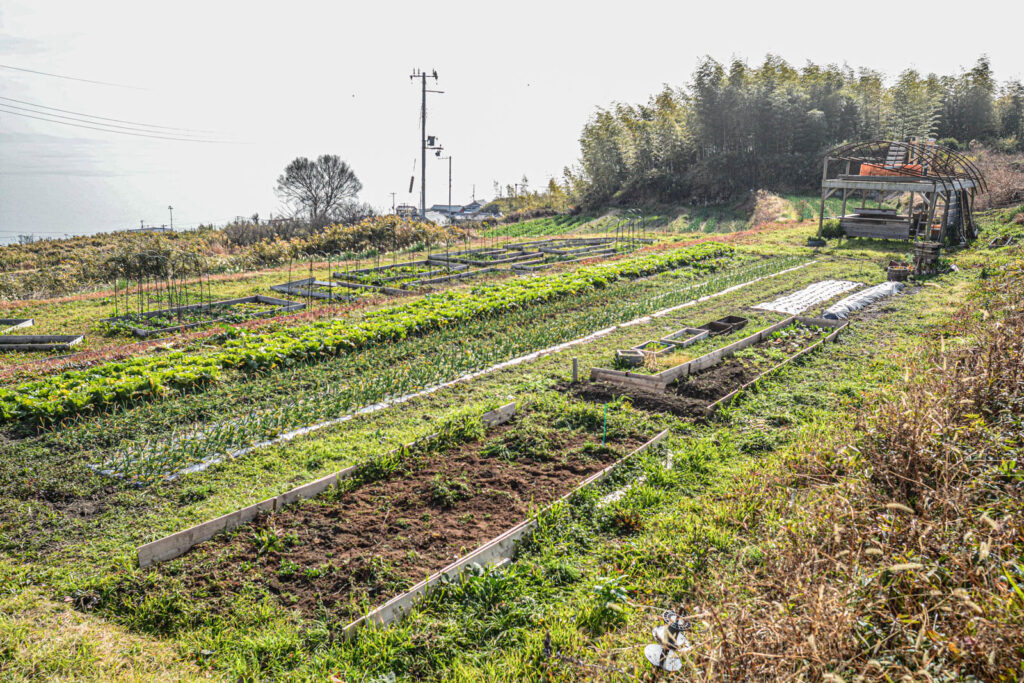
(1004, 175)
(891, 553)
(768, 208)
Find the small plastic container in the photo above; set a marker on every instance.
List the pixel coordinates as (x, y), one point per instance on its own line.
(655, 347)
(686, 336)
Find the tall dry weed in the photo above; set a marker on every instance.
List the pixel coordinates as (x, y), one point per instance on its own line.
(892, 553)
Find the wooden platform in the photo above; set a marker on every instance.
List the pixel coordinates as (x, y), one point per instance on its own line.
(875, 226)
(895, 183)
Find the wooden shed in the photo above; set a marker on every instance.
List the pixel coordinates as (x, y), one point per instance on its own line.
(905, 190)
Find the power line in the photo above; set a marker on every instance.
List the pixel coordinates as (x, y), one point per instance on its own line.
(83, 120)
(70, 78)
(102, 118)
(109, 130)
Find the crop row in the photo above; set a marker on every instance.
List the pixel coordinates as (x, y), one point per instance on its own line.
(45, 401)
(260, 405)
(539, 227)
(399, 373)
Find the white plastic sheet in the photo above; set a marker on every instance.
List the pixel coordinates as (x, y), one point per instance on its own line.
(801, 300)
(841, 309)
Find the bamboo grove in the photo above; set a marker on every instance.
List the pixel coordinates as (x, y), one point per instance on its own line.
(737, 128)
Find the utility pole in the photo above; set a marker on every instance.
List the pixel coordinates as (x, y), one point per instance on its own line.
(449, 158)
(425, 142)
(170, 209)
(393, 203)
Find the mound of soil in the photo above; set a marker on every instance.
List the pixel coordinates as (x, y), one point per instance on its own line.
(687, 398)
(690, 396)
(355, 552)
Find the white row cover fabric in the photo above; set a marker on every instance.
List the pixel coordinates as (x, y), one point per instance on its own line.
(800, 301)
(844, 307)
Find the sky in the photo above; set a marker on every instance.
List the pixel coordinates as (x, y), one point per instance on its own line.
(269, 82)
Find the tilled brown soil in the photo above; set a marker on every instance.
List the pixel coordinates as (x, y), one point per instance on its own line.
(686, 399)
(690, 397)
(358, 550)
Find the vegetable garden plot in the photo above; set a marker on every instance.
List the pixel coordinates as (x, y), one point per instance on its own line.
(186, 317)
(311, 287)
(399, 279)
(455, 275)
(484, 260)
(372, 380)
(405, 514)
(699, 347)
(801, 300)
(9, 324)
(532, 256)
(176, 544)
(716, 378)
(39, 342)
(45, 401)
(401, 272)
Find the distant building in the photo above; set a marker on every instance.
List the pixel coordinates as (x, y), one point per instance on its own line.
(461, 212)
(151, 228)
(445, 209)
(407, 211)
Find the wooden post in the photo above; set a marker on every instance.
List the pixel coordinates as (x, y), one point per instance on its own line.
(575, 370)
(945, 218)
(910, 214)
(821, 210)
(932, 198)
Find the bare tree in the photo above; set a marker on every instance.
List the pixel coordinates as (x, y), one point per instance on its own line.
(319, 188)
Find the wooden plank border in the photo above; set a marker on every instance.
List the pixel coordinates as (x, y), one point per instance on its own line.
(39, 342)
(495, 552)
(15, 323)
(280, 306)
(179, 543)
(838, 326)
(659, 381)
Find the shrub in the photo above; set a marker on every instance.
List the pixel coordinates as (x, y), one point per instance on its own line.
(831, 229)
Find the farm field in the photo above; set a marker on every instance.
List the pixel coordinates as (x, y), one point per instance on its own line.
(198, 435)
(85, 313)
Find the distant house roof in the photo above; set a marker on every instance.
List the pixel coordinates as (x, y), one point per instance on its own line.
(437, 216)
(459, 211)
(446, 208)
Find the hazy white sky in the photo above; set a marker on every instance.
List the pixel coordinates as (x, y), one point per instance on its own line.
(307, 78)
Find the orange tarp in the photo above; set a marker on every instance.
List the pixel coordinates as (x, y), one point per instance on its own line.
(904, 169)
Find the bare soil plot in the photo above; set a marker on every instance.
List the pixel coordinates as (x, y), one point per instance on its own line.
(691, 396)
(352, 549)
